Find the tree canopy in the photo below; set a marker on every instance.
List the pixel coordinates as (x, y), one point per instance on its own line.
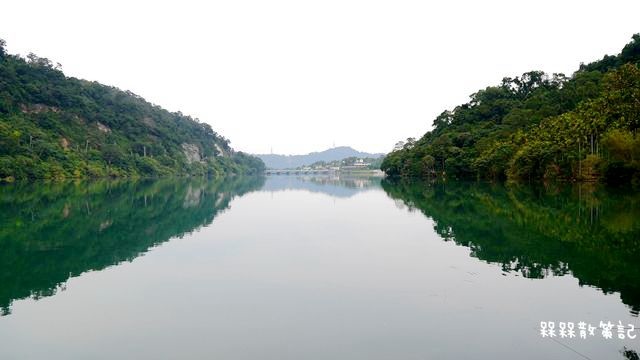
(539, 126)
(53, 126)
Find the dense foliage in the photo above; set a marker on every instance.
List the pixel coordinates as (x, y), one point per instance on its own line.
(537, 126)
(53, 126)
(587, 230)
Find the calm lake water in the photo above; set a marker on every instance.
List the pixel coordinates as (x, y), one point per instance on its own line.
(288, 267)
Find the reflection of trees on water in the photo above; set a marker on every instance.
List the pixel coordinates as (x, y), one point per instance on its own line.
(590, 232)
(630, 354)
(51, 232)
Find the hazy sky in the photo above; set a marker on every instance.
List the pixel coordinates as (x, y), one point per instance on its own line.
(299, 76)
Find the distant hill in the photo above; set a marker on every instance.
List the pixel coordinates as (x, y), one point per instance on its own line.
(274, 161)
(54, 126)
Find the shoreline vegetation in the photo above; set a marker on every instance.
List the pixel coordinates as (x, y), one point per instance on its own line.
(57, 127)
(537, 126)
(582, 127)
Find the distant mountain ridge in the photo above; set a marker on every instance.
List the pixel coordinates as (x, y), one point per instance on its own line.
(276, 161)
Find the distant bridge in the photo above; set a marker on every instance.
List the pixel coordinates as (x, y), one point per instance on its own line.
(299, 172)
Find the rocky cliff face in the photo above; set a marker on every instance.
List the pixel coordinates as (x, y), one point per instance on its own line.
(192, 153)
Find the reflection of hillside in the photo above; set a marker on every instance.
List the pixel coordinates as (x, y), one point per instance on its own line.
(590, 233)
(337, 186)
(51, 232)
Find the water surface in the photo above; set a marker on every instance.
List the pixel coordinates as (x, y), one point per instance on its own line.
(313, 268)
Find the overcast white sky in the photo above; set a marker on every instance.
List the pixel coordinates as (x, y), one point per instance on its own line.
(298, 76)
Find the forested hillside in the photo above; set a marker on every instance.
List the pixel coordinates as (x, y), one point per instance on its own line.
(53, 126)
(539, 126)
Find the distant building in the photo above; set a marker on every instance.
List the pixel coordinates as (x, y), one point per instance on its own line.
(360, 163)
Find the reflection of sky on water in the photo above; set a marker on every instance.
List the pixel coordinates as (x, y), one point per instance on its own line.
(336, 186)
(286, 274)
